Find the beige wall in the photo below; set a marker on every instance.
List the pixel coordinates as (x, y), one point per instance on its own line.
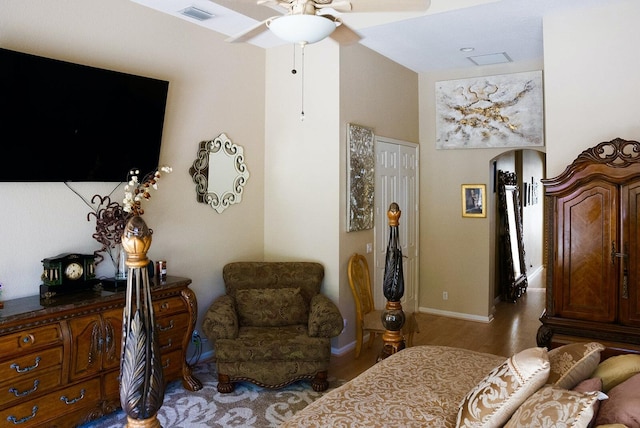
(214, 87)
(456, 253)
(590, 87)
(591, 81)
(305, 161)
(296, 192)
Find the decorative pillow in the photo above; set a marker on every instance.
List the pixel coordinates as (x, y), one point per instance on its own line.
(573, 363)
(271, 307)
(551, 405)
(615, 370)
(492, 402)
(593, 384)
(623, 405)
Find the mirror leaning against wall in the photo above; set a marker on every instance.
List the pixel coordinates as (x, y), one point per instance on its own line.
(513, 271)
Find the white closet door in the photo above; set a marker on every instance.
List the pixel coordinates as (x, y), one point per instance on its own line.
(397, 181)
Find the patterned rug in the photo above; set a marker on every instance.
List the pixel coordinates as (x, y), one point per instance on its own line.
(247, 406)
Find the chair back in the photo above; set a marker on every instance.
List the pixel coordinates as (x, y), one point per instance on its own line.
(273, 275)
(360, 282)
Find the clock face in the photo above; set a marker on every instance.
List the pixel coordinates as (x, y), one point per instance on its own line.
(73, 271)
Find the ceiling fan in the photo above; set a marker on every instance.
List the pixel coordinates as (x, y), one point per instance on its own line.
(309, 21)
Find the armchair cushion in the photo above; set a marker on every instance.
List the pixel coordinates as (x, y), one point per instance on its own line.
(221, 321)
(286, 343)
(325, 319)
(271, 307)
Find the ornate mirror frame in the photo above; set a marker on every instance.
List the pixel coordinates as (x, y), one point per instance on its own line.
(219, 173)
(513, 268)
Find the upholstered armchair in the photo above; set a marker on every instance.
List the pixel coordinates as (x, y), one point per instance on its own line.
(272, 327)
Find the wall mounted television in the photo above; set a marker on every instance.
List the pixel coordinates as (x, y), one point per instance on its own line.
(61, 121)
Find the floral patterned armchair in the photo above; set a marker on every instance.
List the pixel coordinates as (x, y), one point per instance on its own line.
(272, 327)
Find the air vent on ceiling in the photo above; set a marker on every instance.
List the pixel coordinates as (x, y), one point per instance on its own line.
(489, 59)
(196, 13)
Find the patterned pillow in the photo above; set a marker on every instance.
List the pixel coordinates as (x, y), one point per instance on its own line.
(573, 363)
(551, 406)
(271, 307)
(623, 405)
(615, 370)
(492, 402)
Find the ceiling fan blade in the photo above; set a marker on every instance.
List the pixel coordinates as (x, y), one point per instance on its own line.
(390, 5)
(338, 6)
(250, 33)
(345, 35)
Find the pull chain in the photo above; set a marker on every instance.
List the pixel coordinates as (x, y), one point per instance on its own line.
(302, 80)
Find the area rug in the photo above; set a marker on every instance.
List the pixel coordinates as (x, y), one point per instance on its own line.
(247, 406)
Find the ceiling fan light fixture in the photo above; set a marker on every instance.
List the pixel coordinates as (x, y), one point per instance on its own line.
(302, 29)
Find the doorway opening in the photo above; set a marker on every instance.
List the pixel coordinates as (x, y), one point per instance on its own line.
(529, 167)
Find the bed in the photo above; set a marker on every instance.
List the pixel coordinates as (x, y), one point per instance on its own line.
(439, 386)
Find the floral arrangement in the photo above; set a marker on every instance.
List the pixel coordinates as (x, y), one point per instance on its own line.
(112, 217)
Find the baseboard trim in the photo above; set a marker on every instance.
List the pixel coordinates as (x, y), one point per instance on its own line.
(459, 315)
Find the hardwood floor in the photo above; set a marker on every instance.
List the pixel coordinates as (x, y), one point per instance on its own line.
(513, 329)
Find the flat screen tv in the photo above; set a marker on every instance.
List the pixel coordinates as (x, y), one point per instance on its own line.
(61, 121)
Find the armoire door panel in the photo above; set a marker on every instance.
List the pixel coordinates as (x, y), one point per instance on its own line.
(587, 233)
(629, 267)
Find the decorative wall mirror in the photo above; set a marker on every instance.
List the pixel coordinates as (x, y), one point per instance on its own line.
(219, 172)
(512, 266)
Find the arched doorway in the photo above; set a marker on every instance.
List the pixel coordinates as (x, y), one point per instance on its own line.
(529, 166)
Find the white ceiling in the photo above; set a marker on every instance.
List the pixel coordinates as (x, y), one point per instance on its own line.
(422, 42)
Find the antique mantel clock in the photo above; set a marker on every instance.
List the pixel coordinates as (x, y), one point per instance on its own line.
(69, 269)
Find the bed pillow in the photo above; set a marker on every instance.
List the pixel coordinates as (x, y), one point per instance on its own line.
(551, 404)
(492, 401)
(573, 363)
(623, 405)
(615, 370)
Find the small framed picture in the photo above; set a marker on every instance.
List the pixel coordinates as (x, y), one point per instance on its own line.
(473, 200)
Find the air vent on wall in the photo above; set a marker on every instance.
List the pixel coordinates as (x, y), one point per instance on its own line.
(489, 59)
(196, 13)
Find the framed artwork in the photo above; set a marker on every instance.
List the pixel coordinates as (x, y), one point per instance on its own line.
(490, 111)
(473, 200)
(360, 177)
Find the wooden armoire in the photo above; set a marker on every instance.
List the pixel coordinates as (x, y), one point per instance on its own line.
(593, 247)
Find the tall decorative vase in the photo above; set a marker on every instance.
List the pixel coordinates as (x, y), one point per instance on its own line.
(142, 381)
(120, 261)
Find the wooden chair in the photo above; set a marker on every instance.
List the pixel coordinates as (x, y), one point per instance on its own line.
(368, 318)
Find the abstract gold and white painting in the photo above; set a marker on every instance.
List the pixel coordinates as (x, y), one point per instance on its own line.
(490, 111)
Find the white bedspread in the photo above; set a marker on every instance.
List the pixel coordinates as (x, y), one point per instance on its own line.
(420, 386)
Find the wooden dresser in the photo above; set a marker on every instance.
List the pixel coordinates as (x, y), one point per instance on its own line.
(60, 357)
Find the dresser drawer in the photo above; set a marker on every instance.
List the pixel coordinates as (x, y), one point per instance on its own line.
(23, 366)
(171, 331)
(39, 411)
(26, 340)
(172, 365)
(170, 305)
(20, 389)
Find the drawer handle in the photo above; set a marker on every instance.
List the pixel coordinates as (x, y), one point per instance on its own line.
(167, 346)
(25, 419)
(15, 392)
(167, 363)
(169, 327)
(27, 339)
(75, 400)
(164, 306)
(26, 369)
